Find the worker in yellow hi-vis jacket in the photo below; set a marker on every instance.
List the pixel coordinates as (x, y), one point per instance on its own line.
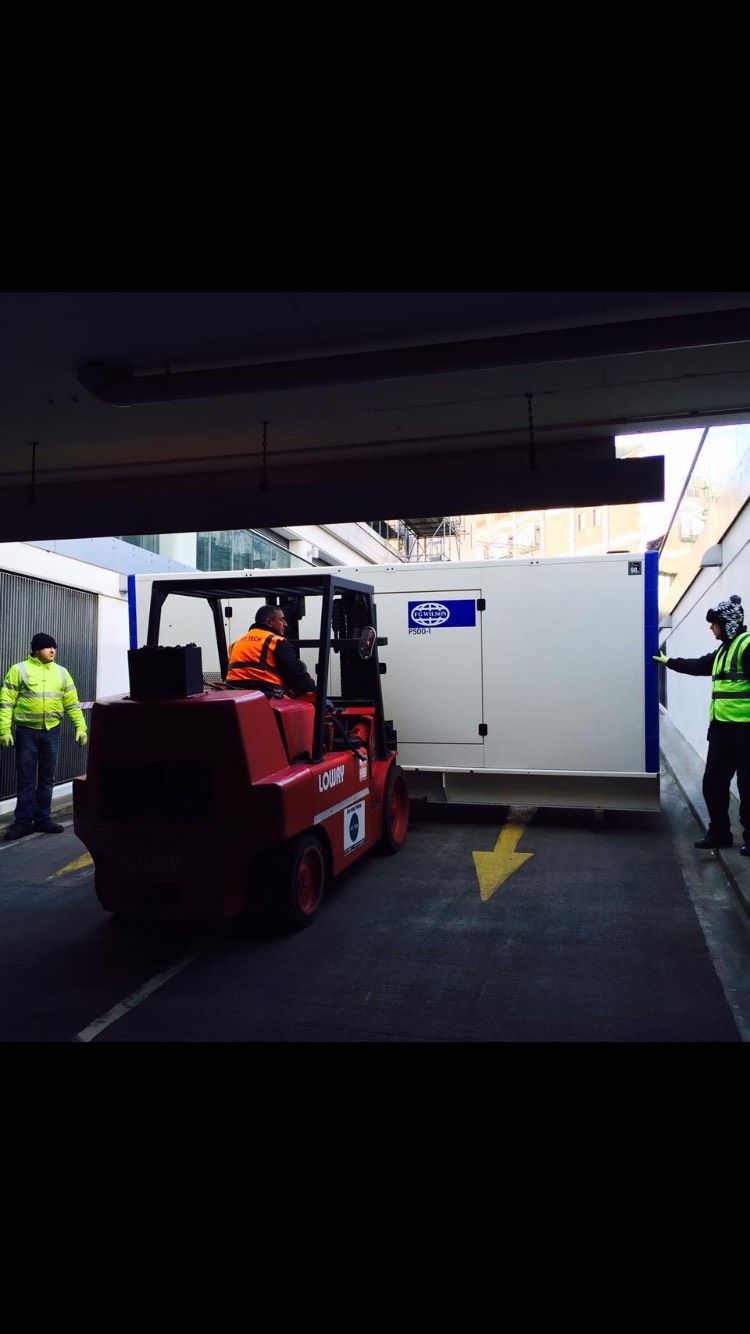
(729, 720)
(34, 695)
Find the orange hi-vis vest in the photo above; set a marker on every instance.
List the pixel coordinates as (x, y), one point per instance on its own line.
(252, 657)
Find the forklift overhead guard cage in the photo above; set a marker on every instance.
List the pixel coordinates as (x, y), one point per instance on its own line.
(326, 586)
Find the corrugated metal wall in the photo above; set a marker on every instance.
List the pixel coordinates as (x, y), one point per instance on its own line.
(27, 607)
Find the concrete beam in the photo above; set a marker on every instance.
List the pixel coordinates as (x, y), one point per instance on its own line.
(472, 482)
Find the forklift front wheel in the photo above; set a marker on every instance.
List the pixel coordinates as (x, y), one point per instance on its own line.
(395, 811)
(299, 873)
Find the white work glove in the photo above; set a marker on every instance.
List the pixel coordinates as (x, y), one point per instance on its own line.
(661, 657)
(6, 740)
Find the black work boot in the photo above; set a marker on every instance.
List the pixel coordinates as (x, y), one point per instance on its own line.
(18, 831)
(48, 827)
(714, 841)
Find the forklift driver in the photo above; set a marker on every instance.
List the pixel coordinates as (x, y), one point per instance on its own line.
(263, 660)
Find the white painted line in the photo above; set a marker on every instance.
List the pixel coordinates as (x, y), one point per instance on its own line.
(342, 805)
(14, 842)
(130, 1002)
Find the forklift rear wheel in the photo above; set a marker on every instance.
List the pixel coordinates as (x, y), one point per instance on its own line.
(395, 811)
(300, 875)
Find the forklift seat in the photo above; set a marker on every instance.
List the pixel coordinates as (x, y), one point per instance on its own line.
(295, 718)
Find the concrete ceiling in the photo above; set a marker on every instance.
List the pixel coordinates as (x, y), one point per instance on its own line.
(144, 411)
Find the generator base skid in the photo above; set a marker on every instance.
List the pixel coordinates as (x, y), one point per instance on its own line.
(607, 792)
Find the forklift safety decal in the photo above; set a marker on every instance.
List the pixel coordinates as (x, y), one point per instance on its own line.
(424, 617)
(354, 826)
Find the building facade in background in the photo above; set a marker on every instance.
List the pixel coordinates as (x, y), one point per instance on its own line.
(590, 531)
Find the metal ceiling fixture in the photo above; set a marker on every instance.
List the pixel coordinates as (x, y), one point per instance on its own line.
(32, 488)
(532, 446)
(263, 484)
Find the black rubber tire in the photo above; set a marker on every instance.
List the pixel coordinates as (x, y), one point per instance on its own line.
(395, 811)
(297, 881)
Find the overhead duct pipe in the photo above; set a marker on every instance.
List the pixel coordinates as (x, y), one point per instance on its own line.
(112, 384)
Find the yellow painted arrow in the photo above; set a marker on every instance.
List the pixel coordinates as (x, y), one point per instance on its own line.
(494, 868)
(77, 865)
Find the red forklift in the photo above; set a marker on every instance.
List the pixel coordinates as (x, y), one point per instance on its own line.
(201, 801)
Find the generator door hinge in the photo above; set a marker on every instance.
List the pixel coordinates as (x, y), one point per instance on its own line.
(481, 604)
(482, 729)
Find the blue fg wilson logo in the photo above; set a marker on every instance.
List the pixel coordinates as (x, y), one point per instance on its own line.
(427, 616)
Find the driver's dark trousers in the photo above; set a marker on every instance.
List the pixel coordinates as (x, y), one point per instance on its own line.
(728, 753)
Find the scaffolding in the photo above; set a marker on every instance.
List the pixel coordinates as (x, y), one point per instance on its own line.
(431, 538)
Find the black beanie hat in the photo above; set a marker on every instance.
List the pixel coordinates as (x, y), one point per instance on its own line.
(729, 615)
(42, 641)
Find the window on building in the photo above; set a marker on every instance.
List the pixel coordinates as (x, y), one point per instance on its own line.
(581, 521)
(149, 542)
(242, 549)
(527, 537)
(383, 529)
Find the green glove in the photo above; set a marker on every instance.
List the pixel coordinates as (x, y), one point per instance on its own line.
(6, 739)
(660, 657)
(81, 736)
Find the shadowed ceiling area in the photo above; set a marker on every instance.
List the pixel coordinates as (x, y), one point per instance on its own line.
(176, 411)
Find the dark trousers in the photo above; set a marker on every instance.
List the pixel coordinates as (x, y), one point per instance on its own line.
(36, 759)
(728, 754)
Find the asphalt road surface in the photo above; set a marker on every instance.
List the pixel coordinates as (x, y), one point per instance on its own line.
(614, 933)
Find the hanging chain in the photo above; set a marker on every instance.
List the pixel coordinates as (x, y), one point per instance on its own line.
(33, 472)
(264, 468)
(532, 446)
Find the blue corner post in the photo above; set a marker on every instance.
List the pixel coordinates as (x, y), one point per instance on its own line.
(651, 671)
(132, 615)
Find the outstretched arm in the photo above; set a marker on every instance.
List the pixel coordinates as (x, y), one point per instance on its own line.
(690, 666)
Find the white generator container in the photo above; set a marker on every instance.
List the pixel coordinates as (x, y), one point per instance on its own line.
(514, 681)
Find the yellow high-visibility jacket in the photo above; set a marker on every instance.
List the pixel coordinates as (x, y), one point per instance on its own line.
(37, 694)
(730, 697)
